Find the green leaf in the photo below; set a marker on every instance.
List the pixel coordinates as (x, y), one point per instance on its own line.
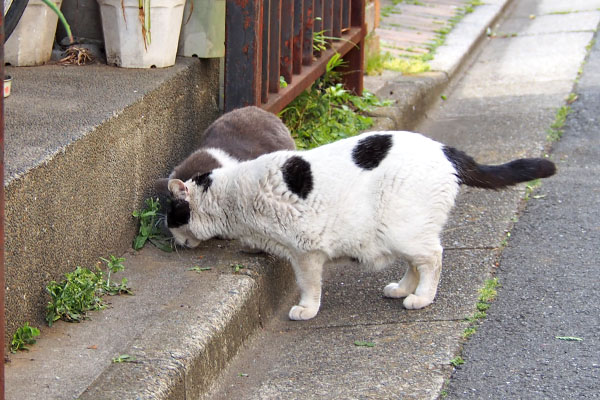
(569, 338)
(362, 343)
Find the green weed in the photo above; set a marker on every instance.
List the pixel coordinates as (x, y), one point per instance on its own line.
(486, 295)
(149, 230)
(327, 112)
(199, 269)
(237, 267)
(23, 337)
(555, 131)
(362, 343)
(569, 338)
(456, 361)
(530, 187)
(123, 358)
(81, 291)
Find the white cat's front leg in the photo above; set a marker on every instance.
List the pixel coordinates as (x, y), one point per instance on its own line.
(308, 269)
(406, 286)
(429, 276)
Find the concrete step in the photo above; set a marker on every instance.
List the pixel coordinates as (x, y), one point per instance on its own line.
(83, 146)
(180, 327)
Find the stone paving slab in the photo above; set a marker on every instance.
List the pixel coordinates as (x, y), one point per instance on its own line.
(384, 371)
(408, 26)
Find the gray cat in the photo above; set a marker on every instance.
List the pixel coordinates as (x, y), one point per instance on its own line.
(239, 135)
(242, 134)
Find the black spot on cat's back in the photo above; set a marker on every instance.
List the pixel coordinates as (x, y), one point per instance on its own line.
(371, 151)
(178, 213)
(297, 175)
(203, 180)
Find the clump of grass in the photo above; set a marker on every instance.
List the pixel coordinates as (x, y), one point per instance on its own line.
(82, 290)
(327, 112)
(487, 294)
(556, 130)
(457, 361)
(149, 230)
(23, 337)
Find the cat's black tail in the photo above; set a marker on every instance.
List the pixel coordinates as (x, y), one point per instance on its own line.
(497, 176)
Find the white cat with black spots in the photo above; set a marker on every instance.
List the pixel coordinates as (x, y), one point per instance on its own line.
(376, 197)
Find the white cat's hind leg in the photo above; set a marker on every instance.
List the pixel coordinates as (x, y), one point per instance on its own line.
(308, 270)
(429, 270)
(406, 286)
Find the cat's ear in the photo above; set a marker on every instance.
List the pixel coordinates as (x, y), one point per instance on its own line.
(178, 189)
(161, 186)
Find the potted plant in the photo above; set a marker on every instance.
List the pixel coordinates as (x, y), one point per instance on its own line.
(141, 33)
(31, 41)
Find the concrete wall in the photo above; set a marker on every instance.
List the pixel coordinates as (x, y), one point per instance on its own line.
(76, 206)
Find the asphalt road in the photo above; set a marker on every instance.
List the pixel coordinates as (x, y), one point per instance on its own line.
(521, 350)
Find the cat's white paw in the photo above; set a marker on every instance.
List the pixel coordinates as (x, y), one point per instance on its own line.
(395, 291)
(300, 313)
(413, 302)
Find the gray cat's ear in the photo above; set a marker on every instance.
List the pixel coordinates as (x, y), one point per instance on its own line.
(161, 186)
(178, 189)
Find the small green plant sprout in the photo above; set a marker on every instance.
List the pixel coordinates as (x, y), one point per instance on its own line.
(363, 343)
(197, 268)
(530, 187)
(237, 267)
(124, 358)
(114, 265)
(569, 338)
(571, 98)
(469, 331)
(243, 375)
(282, 82)
(23, 337)
(555, 131)
(457, 361)
(149, 230)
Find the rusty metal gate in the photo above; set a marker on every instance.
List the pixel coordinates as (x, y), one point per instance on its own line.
(269, 39)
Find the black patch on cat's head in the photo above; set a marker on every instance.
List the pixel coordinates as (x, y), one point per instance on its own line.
(370, 151)
(178, 213)
(203, 180)
(298, 176)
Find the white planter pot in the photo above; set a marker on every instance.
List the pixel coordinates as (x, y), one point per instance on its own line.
(31, 41)
(123, 37)
(203, 29)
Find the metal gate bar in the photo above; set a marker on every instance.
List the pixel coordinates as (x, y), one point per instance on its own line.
(269, 39)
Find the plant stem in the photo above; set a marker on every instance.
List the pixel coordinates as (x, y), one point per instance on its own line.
(62, 18)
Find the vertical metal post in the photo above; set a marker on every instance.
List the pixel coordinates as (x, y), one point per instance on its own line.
(318, 25)
(266, 49)
(353, 71)
(307, 43)
(298, 36)
(337, 19)
(274, 46)
(2, 304)
(243, 60)
(287, 38)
